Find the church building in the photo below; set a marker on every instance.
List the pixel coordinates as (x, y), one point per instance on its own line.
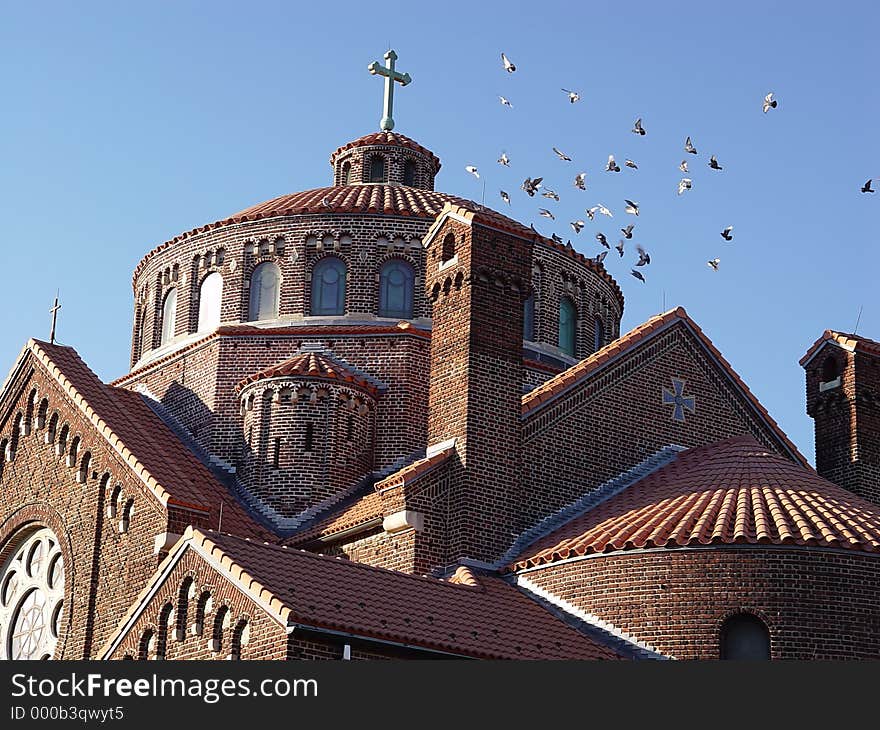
(374, 420)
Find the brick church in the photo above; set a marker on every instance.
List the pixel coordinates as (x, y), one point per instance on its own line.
(373, 420)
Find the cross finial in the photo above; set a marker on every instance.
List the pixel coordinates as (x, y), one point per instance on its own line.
(391, 76)
(54, 313)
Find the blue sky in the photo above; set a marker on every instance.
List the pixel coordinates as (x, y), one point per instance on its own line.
(124, 125)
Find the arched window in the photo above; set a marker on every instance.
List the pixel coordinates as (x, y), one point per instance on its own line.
(345, 177)
(146, 645)
(240, 637)
(396, 284)
(830, 370)
(265, 292)
(377, 168)
(328, 286)
(210, 295)
(598, 334)
(529, 318)
(169, 316)
(448, 249)
(409, 173)
(745, 636)
(162, 633)
(567, 324)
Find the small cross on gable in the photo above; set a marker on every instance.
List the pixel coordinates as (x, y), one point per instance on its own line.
(679, 400)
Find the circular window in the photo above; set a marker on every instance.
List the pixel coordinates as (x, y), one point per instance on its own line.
(32, 598)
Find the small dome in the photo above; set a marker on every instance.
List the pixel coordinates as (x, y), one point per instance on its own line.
(317, 365)
(385, 157)
(387, 139)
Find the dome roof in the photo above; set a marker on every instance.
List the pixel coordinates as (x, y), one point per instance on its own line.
(312, 365)
(387, 139)
(731, 492)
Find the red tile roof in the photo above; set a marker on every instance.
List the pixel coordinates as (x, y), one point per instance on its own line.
(168, 469)
(731, 492)
(568, 379)
(365, 510)
(490, 620)
(392, 139)
(411, 472)
(311, 365)
(853, 343)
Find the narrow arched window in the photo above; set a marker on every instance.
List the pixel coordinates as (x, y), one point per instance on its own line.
(830, 370)
(210, 296)
(529, 318)
(169, 316)
(409, 173)
(345, 177)
(448, 250)
(265, 292)
(745, 636)
(598, 334)
(377, 168)
(396, 284)
(567, 324)
(328, 287)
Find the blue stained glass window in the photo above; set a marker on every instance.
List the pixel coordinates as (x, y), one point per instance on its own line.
(567, 322)
(529, 318)
(328, 287)
(396, 284)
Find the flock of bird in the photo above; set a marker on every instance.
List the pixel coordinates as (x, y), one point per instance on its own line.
(534, 186)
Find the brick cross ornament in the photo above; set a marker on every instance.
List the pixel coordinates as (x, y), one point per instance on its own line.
(391, 76)
(677, 398)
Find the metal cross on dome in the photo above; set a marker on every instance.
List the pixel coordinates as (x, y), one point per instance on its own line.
(677, 398)
(391, 76)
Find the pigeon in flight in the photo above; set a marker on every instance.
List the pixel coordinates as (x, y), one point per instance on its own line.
(548, 193)
(726, 233)
(508, 66)
(577, 225)
(644, 256)
(591, 212)
(637, 127)
(866, 188)
(713, 163)
(628, 231)
(600, 257)
(604, 211)
(573, 96)
(713, 264)
(769, 102)
(684, 184)
(580, 180)
(472, 170)
(612, 165)
(632, 208)
(683, 166)
(547, 214)
(505, 197)
(619, 247)
(638, 275)
(505, 102)
(504, 160)
(561, 155)
(600, 237)
(556, 237)
(689, 146)
(531, 186)
(630, 163)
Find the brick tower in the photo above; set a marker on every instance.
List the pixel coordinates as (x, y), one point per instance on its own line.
(843, 398)
(477, 279)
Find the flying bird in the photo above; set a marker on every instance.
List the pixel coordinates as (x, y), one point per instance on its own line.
(531, 186)
(628, 231)
(547, 214)
(866, 188)
(561, 155)
(637, 127)
(713, 264)
(573, 96)
(638, 275)
(600, 257)
(591, 212)
(504, 160)
(508, 66)
(612, 165)
(683, 166)
(684, 184)
(580, 180)
(644, 256)
(548, 193)
(604, 211)
(577, 225)
(689, 146)
(632, 208)
(472, 170)
(769, 102)
(600, 237)
(726, 233)
(505, 197)
(619, 247)
(713, 163)
(630, 163)
(505, 102)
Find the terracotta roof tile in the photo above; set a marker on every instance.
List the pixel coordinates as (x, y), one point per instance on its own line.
(853, 343)
(416, 470)
(731, 492)
(312, 365)
(393, 139)
(365, 510)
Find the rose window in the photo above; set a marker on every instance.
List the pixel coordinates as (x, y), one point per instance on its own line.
(32, 598)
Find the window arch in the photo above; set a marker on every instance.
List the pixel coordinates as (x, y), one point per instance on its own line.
(447, 251)
(328, 286)
(745, 636)
(146, 644)
(162, 634)
(409, 173)
(567, 325)
(210, 296)
(377, 168)
(345, 177)
(240, 637)
(830, 369)
(598, 334)
(396, 285)
(187, 587)
(265, 292)
(169, 316)
(529, 318)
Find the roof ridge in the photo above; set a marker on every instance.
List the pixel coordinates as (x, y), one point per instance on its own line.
(846, 340)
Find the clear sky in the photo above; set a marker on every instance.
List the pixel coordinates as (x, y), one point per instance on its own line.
(125, 124)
